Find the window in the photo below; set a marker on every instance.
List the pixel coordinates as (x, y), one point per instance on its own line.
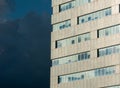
(62, 25)
(72, 4)
(66, 6)
(56, 44)
(94, 16)
(104, 71)
(79, 39)
(87, 74)
(82, 21)
(59, 79)
(73, 40)
(59, 44)
(119, 8)
(89, 18)
(108, 50)
(108, 31)
(79, 57)
(89, 1)
(71, 59)
(115, 86)
(55, 62)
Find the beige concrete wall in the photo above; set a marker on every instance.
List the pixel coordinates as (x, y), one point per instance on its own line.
(84, 9)
(92, 45)
(96, 82)
(93, 83)
(90, 64)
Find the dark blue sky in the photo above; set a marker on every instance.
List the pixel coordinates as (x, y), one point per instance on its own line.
(25, 43)
(23, 7)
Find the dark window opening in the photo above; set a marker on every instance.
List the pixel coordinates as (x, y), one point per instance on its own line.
(56, 44)
(79, 57)
(59, 9)
(78, 20)
(73, 42)
(98, 53)
(119, 8)
(59, 79)
(98, 34)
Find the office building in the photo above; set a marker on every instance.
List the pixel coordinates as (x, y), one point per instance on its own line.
(85, 44)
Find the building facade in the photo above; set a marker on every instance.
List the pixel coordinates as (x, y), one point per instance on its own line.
(85, 44)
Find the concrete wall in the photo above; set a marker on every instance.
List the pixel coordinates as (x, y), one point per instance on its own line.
(92, 45)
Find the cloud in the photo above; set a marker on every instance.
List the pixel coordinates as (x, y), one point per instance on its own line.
(11, 4)
(25, 52)
(6, 6)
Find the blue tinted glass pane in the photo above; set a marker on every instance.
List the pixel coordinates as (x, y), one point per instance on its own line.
(89, 18)
(82, 21)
